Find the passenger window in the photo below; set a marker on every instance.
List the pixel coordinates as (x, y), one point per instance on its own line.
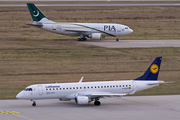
(95, 87)
(76, 87)
(119, 85)
(80, 87)
(116, 85)
(91, 86)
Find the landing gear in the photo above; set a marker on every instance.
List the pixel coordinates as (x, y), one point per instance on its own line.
(97, 103)
(117, 39)
(82, 39)
(34, 103)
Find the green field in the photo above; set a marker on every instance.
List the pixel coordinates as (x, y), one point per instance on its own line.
(30, 55)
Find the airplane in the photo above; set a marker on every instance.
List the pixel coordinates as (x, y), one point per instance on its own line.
(85, 92)
(95, 31)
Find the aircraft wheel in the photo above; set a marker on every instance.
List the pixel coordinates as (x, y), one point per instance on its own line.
(34, 104)
(117, 39)
(97, 103)
(84, 39)
(79, 39)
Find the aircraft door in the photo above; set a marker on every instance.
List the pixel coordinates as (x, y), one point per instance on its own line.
(40, 89)
(134, 85)
(53, 27)
(118, 29)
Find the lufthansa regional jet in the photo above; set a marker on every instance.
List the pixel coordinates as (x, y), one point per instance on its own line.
(86, 92)
(84, 30)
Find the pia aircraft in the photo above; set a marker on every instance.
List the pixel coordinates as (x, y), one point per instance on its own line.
(84, 30)
(86, 92)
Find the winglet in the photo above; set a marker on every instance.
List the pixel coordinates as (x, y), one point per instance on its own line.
(81, 79)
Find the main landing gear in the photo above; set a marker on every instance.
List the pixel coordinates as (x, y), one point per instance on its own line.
(117, 39)
(34, 103)
(97, 103)
(82, 39)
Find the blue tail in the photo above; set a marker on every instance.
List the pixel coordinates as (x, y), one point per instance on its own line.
(153, 71)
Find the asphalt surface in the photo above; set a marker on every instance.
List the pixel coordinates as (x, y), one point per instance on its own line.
(160, 4)
(127, 108)
(133, 43)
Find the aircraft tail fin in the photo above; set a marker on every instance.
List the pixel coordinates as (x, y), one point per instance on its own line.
(37, 15)
(153, 71)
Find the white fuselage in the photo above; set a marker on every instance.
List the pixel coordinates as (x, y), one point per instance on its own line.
(68, 91)
(86, 29)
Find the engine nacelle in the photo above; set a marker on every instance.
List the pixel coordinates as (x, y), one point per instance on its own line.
(96, 36)
(80, 100)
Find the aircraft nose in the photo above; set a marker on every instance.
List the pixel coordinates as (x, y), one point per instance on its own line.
(131, 30)
(20, 95)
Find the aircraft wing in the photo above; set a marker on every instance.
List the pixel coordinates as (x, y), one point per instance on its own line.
(76, 29)
(101, 95)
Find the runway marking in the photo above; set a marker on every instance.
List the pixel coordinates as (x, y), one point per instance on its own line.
(9, 112)
(22, 117)
(14, 113)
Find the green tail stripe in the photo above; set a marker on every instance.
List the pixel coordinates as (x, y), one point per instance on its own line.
(36, 14)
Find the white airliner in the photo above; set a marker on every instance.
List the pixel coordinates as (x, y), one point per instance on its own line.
(85, 92)
(89, 30)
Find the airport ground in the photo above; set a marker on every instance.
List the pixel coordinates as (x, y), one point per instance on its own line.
(29, 55)
(128, 108)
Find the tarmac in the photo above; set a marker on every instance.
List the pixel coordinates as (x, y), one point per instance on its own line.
(164, 107)
(133, 43)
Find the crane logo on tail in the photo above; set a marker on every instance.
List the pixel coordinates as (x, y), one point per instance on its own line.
(154, 68)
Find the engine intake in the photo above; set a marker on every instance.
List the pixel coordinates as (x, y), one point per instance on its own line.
(80, 100)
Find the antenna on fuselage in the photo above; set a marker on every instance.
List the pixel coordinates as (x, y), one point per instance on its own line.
(81, 79)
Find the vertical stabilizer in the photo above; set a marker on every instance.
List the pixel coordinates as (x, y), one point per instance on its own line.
(153, 71)
(36, 14)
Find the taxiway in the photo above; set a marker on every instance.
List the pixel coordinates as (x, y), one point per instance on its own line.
(128, 108)
(133, 43)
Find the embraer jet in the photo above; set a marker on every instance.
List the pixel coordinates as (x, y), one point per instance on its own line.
(84, 30)
(86, 92)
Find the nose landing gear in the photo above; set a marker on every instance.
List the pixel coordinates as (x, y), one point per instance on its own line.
(34, 103)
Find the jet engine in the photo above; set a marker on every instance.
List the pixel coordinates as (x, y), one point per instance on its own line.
(80, 100)
(96, 36)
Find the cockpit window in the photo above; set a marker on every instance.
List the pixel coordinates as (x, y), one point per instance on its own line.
(126, 27)
(28, 89)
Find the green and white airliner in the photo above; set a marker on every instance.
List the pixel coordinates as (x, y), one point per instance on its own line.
(84, 30)
(86, 92)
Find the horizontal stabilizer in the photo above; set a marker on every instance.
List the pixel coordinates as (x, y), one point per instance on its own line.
(35, 24)
(159, 83)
